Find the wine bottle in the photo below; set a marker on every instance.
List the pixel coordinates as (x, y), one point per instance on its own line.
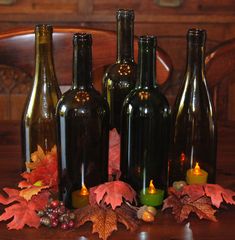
(120, 77)
(39, 119)
(83, 126)
(193, 137)
(145, 125)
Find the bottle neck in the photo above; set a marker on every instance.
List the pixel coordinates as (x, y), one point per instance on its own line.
(125, 39)
(146, 66)
(82, 66)
(196, 59)
(44, 58)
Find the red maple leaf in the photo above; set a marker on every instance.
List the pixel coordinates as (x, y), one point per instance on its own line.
(22, 211)
(114, 152)
(112, 193)
(218, 194)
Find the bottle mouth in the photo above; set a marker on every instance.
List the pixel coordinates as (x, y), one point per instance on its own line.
(148, 40)
(43, 29)
(82, 38)
(196, 35)
(125, 13)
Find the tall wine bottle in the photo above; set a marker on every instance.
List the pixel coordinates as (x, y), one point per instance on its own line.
(83, 125)
(193, 137)
(120, 77)
(39, 119)
(145, 125)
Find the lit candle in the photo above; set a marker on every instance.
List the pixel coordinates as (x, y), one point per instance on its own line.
(196, 175)
(151, 196)
(80, 198)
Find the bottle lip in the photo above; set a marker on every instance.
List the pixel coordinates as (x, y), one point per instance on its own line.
(150, 40)
(82, 38)
(196, 35)
(43, 29)
(125, 13)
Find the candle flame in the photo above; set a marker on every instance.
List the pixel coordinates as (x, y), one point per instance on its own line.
(197, 169)
(84, 191)
(151, 188)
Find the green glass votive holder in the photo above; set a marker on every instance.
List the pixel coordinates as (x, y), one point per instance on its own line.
(152, 199)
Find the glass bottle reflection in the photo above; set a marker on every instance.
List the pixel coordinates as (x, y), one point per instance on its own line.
(145, 125)
(193, 122)
(83, 118)
(120, 77)
(39, 120)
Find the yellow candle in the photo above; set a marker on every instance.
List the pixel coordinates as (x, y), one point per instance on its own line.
(196, 175)
(80, 198)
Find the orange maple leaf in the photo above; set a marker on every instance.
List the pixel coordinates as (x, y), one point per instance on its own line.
(31, 189)
(21, 211)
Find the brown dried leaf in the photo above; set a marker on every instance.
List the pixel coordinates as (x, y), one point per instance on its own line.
(104, 220)
(127, 216)
(182, 207)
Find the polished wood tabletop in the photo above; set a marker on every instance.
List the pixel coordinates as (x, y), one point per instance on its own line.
(165, 226)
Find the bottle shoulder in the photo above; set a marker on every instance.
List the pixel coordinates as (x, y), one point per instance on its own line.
(152, 99)
(121, 71)
(75, 99)
(193, 97)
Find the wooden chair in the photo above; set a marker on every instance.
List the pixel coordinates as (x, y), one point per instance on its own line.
(220, 70)
(17, 67)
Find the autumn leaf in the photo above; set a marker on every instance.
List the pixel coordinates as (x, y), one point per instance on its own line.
(114, 152)
(22, 212)
(195, 191)
(183, 206)
(30, 189)
(218, 194)
(112, 193)
(36, 158)
(46, 170)
(105, 219)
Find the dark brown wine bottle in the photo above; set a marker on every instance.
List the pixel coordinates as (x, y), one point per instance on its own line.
(83, 125)
(120, 77)
(145, 125)
(39, 119)
(193, 137)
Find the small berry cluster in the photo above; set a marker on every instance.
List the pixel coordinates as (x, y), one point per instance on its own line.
(55, 214)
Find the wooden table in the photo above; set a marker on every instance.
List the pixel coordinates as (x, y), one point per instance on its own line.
(165, 226)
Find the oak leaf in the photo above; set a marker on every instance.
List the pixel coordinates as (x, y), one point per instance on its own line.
(22, 211)
(112, 193)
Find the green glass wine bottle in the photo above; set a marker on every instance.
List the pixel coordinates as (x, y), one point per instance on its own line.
(83, 125)
(39, 119)
(193, 138)
(120, 77)
(145, 125)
